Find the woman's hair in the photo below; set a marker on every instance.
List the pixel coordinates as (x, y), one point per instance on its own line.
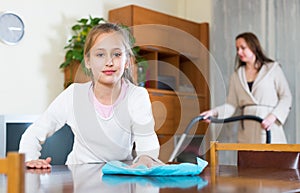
(254, 45)
(100, 29)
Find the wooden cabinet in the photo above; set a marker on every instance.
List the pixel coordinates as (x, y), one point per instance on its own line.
(75, 73)
(177, 77)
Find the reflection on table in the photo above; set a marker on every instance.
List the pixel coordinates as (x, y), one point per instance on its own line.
(264, 180)
(88, 178)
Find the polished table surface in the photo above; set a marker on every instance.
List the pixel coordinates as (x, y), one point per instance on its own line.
(88, 178)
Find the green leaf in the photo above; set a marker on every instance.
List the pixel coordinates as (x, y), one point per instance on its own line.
(76, 27)
(83, 21)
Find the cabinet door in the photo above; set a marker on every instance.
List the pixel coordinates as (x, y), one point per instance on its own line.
(163, 112)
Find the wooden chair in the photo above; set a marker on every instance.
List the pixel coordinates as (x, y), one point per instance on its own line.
(259, 155)
(13, 167)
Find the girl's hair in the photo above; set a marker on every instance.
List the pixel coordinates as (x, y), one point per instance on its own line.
(100, 29)
(254, 45)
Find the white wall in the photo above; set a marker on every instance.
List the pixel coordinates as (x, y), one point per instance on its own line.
(30, 76)
(195, 10)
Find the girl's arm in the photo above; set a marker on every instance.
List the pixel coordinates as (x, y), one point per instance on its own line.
(47, 124)
(147, 144)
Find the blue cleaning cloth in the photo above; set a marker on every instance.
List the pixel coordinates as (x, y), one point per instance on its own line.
(117, 167)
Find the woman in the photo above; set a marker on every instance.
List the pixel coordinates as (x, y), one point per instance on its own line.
(257, 87)
(107, 115)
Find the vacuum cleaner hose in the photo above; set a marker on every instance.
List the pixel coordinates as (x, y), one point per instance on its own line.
(215, 120)
(227, 120)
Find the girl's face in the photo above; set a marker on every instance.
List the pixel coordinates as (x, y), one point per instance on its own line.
(244, 52)
(107, 59)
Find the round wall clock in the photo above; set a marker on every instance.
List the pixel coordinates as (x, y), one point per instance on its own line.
(11, 28)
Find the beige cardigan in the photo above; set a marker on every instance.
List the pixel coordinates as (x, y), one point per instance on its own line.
(270, 94)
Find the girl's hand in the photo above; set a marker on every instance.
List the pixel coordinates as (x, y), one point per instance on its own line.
(146, 161)
(268, 121)
(39, 164)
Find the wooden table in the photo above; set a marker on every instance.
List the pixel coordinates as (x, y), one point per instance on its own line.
(89, 179)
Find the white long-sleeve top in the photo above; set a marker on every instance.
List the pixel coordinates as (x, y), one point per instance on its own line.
(96, 139)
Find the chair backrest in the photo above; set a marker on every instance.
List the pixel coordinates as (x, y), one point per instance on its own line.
(14, 168)
(259, 155)
(268, 159)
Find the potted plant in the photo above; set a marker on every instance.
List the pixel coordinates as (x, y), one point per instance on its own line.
(74, 53)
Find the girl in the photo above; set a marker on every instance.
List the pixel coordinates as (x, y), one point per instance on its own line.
(107, 115)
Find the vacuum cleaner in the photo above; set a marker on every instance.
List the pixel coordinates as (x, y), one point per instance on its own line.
(215, 120)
